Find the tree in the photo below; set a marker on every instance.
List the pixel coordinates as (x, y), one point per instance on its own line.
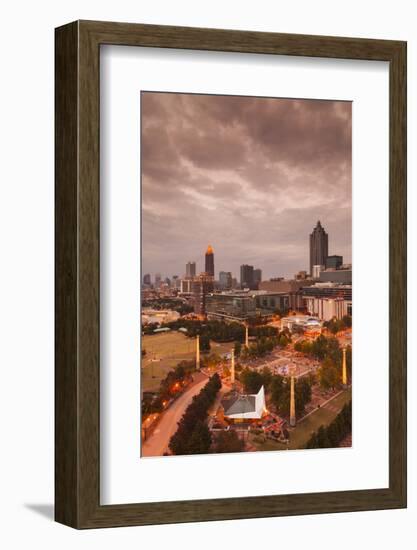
(329, 376)
(200, 440)
(266, 377)
(228, 442)
(280, 390)
(347, 321)
(251, 380)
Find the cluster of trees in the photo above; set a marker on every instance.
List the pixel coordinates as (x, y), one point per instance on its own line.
(280, 389)
(174, 304)
(219, 331)
(333, 434)
(329, 352)
(169, 387)
(265, 331)
(193, 435)
(252, 380)
(228, 442)
(264, 344)
(335, 325)
(149, 328)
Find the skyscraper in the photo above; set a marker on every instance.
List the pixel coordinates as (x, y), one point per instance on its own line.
(319, 246)
(257, 277)
(157, 280)
(225, 279)
(190, 269)
(210, 261)
(246, 276)
(147, 279)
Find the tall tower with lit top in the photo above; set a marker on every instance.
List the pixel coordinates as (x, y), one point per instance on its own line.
(210, 261)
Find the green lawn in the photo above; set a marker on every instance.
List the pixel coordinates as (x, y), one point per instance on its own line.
(302, 432)
(169, 349)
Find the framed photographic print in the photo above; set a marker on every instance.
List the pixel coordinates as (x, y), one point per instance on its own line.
(230, 274)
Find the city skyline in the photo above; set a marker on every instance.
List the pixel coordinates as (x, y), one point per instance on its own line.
(250, 176)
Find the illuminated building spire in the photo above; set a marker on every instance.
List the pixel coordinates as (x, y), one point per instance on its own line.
(210, 261)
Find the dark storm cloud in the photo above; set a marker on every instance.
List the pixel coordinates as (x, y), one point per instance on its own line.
(251, 176)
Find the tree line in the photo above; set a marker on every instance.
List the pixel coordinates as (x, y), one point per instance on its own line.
(335, 432)
(329, 352)
(336, 325)
(168, 387)
(193, 435)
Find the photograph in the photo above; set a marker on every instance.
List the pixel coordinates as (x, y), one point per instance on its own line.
(246, 274)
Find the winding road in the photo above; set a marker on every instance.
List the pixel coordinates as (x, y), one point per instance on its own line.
(158, 442)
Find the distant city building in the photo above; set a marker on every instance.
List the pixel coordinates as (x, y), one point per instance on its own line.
(334, 262)
(230, 306)
(147, 279)
(190, 269)
(317, 269)
(343, 276)
(328, 300)
(167, 281)
(201, 286)
(305, 322)
(329, 290)
(158, 316)
(234, 282)
(246, 276)
(273, 301)
(292, 287)
(176, 282)
(301, 276)
(157, 280)
(257, 277)
(319, 246)
(209, 261)
(284, 285)
(186, 286)
(225, 280)
(329, 308)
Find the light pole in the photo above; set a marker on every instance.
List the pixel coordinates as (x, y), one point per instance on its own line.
(232, 369)
(197, 353)
(292, 400)
(344, 369)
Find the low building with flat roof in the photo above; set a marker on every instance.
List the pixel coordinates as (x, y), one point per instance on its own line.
(305, 322)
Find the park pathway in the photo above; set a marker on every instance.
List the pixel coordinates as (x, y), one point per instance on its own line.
(157, 443)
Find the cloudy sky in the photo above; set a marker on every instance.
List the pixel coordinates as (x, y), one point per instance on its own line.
(250, 176)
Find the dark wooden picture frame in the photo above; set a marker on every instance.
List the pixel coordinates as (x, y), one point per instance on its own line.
(77, 360)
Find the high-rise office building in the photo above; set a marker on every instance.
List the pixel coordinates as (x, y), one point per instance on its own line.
(176, 282)
(334, 262)
(210, 261)
(225, 280)
(201, 286)
(157, 280)
(147, 279)
(257, 277)
(190, 269)
(319, 246)
(246, 276)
